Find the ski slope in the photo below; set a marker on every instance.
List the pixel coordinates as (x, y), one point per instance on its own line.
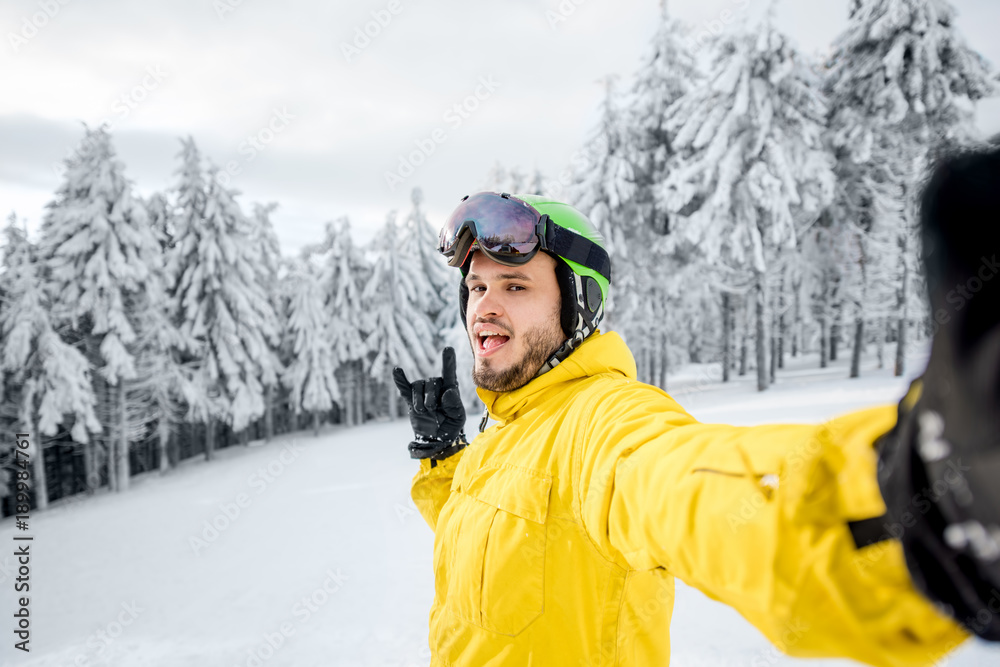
(318, 551)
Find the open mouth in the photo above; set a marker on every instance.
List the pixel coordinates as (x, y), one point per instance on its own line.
(489, 342)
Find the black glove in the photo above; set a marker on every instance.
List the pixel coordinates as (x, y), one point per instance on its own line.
(436, 411)
(939, 468)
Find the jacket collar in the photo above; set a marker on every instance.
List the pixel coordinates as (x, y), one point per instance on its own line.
(599, 354)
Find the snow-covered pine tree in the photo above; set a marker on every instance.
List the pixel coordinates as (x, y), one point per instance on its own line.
(157, 397)
(750, 165)
(222, 310)
(629, 153)
(668, 72)
(538, 186)
(902, 85)
(100, 256)
(443, 280)
(434, 278)
(343, 277)
(269, 268)
(497, 179)
(161, 219)
(400, 332)
(514, 181)
(604, 182)
(53, 378)
(310, 375)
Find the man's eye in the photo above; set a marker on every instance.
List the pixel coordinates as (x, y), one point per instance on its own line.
(477, 288)
(516, 288)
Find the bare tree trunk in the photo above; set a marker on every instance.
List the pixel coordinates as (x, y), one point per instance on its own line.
(760, 296)
(111, 459)
(90, 463)
(901, 335)
(163, 432)
(362, 391)
(834, 338)
(664, 360)
(781, 339)
(392, 405)
(346, 409)
(859, 342)
(38, 468)
(110, 439)
(743, 354)
(772, 342)
(90, 466)
(727, 335)
(880, 328)
(124, 467)
(744, 335)
(797, 325)
(823, 342)
(351, 398)
(210, 438)
(773, 365)
(315, 423)
(268, 413)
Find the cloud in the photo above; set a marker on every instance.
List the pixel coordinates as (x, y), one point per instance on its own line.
(226, 75)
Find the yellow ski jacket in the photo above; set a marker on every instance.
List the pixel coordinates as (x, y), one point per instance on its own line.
(560, 529)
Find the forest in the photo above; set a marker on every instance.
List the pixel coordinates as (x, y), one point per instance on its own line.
(758, 203)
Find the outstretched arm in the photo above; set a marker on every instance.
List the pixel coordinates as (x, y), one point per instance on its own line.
(761, 518)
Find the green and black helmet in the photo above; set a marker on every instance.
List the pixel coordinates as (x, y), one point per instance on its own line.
(510, 229)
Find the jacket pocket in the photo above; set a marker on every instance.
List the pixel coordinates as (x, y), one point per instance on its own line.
(499, 562)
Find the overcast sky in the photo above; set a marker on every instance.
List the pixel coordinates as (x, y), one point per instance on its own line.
(329, 122)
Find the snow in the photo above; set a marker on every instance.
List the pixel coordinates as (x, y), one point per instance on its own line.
(331, 511)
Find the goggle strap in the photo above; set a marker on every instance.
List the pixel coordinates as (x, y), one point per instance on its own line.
(578, 248)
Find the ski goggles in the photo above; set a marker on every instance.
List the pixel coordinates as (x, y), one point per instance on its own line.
(510, 231)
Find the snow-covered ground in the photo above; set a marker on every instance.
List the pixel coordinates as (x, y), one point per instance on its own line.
(318, 551)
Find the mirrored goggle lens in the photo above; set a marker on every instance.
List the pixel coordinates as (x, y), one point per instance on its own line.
(501, 226)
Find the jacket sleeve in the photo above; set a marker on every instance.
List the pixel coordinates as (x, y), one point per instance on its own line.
(757, 518)
(432, 485)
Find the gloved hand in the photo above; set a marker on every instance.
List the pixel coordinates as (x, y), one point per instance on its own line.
(939, 468)
(437, 414)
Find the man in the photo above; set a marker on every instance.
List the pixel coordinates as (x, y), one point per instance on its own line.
(560, 530)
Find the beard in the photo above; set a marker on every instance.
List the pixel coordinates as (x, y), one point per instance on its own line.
(540, 344)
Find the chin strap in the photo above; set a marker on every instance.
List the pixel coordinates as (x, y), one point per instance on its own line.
(486, 418)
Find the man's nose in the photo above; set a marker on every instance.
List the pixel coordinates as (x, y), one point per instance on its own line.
(487, 305)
